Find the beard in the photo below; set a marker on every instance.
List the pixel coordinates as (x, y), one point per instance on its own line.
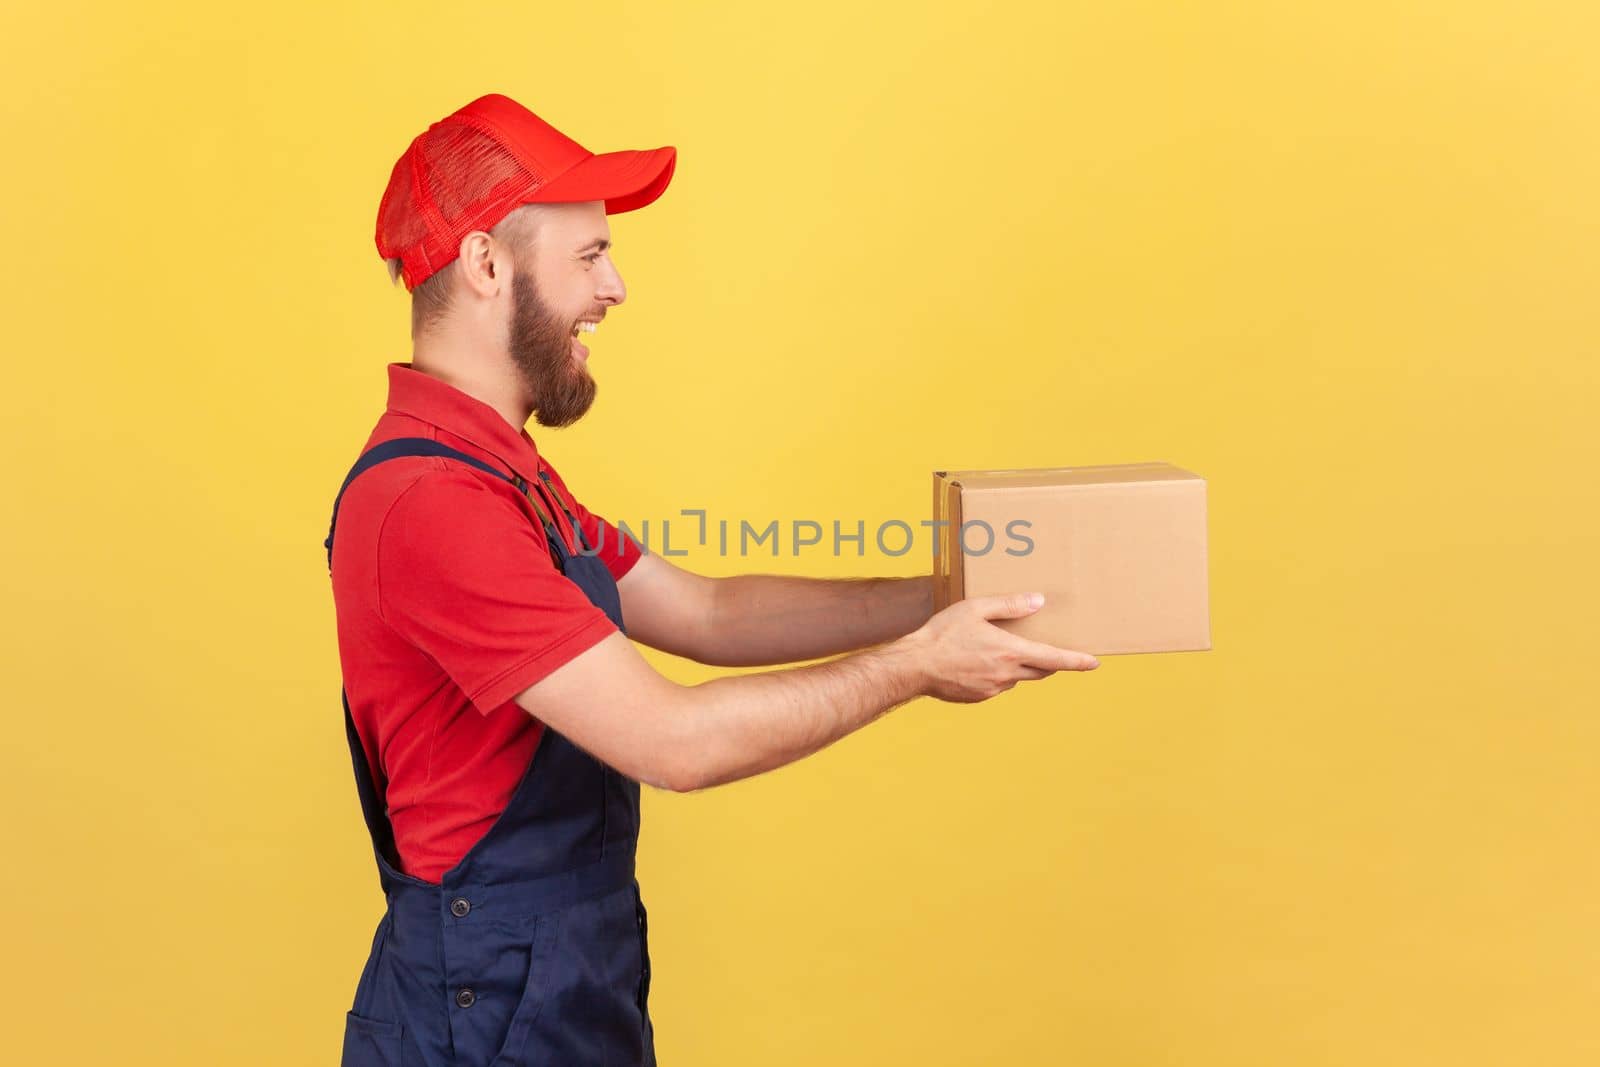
(558, 384)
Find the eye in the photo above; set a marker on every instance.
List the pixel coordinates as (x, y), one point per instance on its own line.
(591, 257)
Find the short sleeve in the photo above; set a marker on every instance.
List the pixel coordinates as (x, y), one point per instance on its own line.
(465, 576)
(617, 550)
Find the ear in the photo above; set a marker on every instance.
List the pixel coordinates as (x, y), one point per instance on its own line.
(483, 264)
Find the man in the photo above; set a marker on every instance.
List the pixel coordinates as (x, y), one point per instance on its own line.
(500, 718)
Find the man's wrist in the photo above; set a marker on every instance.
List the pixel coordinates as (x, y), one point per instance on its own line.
(905, 658)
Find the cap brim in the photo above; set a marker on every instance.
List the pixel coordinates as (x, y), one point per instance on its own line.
(626, 181)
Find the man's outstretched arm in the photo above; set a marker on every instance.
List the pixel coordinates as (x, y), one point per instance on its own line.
(610, 702)
(757, 620)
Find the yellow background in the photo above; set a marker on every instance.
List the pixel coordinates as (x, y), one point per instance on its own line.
(1339, 259)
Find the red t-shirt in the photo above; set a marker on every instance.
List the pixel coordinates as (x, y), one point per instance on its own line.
(449, 605)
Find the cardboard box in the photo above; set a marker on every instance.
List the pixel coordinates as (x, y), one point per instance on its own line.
(1118, 551)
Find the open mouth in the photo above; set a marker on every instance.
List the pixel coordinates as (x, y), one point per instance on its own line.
(577, 330)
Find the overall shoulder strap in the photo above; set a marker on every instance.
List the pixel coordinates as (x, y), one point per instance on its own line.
(415, 446)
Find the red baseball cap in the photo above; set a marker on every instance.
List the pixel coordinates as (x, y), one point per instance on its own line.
(470, 169)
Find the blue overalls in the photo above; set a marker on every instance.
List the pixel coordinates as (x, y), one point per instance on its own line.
(533, 949)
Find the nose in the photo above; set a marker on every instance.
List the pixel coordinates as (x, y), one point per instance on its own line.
(611, 291)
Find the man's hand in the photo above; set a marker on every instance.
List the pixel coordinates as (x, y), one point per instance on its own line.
(965, 658)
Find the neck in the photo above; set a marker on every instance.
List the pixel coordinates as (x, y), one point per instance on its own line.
(471, 369)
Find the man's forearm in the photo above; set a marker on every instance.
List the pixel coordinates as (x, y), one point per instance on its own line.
(747, 724)
(765, 619)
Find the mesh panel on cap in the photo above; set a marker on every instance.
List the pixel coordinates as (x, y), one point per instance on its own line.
(465, 169)
(454, 179)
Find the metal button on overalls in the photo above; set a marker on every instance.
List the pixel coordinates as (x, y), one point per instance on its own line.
(558, 969)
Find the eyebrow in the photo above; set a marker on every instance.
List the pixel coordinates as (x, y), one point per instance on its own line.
(601, 243)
